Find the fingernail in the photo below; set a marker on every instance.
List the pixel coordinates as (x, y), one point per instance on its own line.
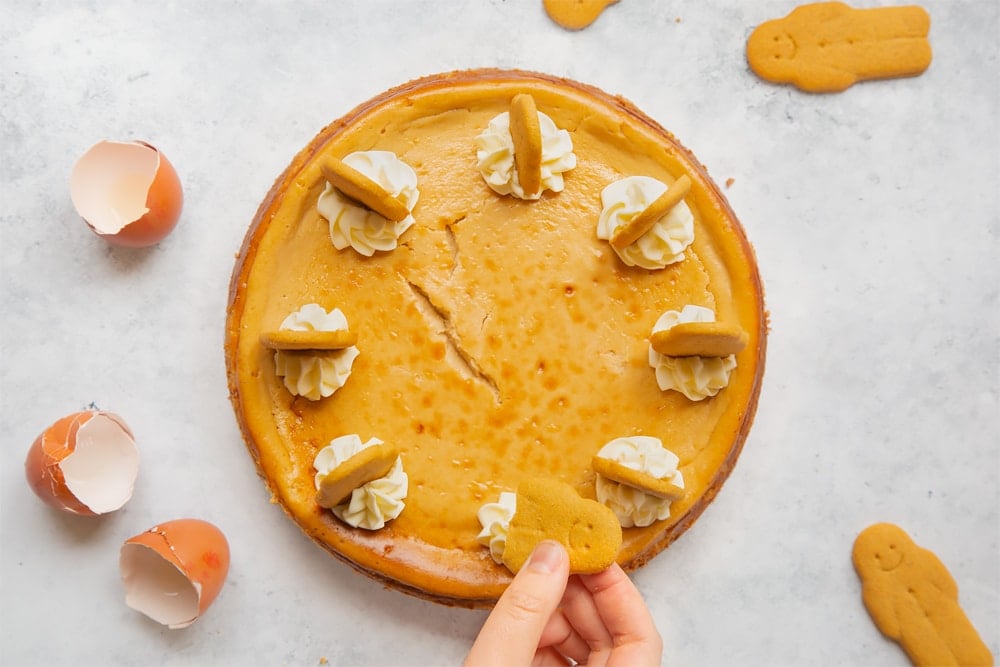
(546, 557)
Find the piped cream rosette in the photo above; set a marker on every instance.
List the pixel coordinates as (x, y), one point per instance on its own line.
(696, 377)
(315, 375)
(372, 504)
(647, 455)
(495, 519)
(495, 157)
(667, 238)
(355, 225)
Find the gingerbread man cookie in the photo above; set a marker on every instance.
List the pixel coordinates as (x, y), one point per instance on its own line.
(827, 47)
(913, 599)
(550, 509)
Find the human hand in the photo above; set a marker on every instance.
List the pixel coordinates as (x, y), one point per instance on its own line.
(546, 617)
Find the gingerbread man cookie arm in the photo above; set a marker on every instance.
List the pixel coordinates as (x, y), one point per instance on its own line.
(938, 575)
(826, 80)
(881, 605)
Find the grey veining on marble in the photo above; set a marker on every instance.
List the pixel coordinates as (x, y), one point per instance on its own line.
(875, 218)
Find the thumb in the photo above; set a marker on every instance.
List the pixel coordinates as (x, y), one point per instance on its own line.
(513, 629)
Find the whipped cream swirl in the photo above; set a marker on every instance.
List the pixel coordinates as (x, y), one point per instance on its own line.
(695, 377)
(354, 225)
(662, 245)
(315, 376)
(495, 519)
(495, 156)
(632, 506)
(373, 504)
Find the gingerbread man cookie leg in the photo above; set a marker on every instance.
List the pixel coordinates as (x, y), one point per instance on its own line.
(913, 599)
(829, 46)
(576, 14)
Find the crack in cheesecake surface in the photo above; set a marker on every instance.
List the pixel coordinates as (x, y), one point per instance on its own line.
(456, 354)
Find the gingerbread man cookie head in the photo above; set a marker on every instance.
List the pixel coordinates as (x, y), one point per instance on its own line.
(774, 51)
(551, 509)
(584, 535)
(882, 546)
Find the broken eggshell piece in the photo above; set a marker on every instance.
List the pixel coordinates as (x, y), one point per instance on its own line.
(173, 571)
(127, 192)
(85, 463)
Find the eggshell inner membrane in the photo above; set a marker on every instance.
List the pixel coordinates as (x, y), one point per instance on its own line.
(157, 588)
(110, 183)
(102, 469)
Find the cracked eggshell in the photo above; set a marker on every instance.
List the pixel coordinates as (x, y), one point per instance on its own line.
(173, 571)
(127, 192)
(85, 463)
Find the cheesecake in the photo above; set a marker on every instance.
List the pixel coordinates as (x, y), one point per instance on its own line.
(493, 333)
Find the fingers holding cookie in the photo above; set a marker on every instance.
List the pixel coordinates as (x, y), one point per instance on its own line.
(625, 616)
(512, 632)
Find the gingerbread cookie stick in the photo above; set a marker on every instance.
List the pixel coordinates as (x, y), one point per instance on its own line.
(913, 599)
(646, 219)
(526, 134)
(290, 339)
(637, 479)
(360, 188)
(367, 465)
(702, 339)
(829, 46)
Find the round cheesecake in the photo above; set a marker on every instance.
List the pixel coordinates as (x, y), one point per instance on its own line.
(500, 339)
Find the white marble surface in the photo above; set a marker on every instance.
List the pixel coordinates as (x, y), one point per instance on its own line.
(874, 214)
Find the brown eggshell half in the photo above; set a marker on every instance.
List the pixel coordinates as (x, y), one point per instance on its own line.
(85, 463)
(127, 192)
(174, 571)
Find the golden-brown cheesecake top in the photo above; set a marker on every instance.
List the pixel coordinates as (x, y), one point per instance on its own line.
(501, 340)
